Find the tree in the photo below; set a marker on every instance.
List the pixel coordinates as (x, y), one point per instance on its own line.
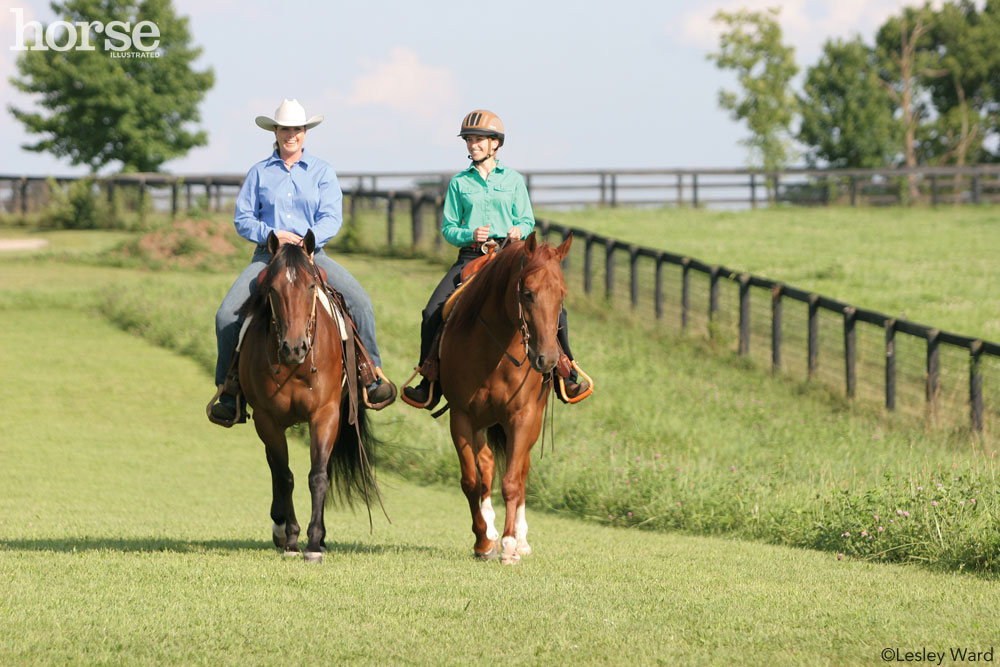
(751, 46)
(906, 59)
(847, 114)
(965, 41)
(105, 105)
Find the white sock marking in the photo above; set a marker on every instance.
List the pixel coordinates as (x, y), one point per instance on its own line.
(520, 524)
(489, 516)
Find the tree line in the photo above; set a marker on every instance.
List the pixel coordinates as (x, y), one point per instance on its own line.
(924, 91)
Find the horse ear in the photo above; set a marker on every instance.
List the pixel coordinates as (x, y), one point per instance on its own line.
(529, 243)
(563, 248)
(273, 243)
(309, 242)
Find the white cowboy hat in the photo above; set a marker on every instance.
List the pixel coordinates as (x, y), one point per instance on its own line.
(289, 114)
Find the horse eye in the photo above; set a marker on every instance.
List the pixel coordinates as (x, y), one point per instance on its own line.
(527, 295)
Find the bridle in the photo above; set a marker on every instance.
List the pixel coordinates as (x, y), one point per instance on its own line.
(279, 327)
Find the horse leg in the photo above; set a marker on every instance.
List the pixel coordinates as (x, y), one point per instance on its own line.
(285, 529)
(322, 434)
(520, 522)
(520, 438)
(472, 484)
(484, 460)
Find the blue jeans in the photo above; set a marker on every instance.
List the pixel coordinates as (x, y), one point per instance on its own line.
(227, 322)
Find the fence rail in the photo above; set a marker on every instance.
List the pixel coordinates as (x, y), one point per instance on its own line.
(555, 188)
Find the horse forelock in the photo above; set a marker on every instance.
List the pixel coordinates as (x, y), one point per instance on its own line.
(288, 264)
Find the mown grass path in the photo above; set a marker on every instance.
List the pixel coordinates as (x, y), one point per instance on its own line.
(134, 532)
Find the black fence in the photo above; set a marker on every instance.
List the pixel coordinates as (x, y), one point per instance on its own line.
(734, 188)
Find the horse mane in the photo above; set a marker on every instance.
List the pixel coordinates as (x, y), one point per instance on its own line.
(289, 256)
(495, 276)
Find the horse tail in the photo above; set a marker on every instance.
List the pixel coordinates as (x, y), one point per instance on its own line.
(496, 438)
(352, 461)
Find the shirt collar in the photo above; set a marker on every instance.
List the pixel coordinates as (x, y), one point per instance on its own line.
(305, 160)
(472, 166)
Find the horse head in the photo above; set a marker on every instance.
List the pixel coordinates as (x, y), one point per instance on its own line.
(540, 293)
(292, 290)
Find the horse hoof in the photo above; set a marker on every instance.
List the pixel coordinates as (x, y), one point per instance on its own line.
(313, 556)
(489, 555)
(512, 559)
(278, 535)
(291, 553)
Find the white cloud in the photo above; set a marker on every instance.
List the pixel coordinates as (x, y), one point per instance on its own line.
(403, 83)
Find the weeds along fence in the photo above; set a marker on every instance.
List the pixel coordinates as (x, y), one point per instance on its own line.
(554, 188)
(911, 369)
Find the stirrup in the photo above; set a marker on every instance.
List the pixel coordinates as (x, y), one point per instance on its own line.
(430, 395)
(240, 418)
(562, 386)
(386, 402)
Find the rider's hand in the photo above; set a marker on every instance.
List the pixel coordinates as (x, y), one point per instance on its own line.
(514, 234)
(288, 237)
(481, 234)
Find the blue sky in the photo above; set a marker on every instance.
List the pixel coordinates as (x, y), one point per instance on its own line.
(578, 84)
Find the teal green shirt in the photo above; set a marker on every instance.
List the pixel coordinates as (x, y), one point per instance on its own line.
(501, 202)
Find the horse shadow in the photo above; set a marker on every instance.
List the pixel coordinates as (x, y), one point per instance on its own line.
(172, 545)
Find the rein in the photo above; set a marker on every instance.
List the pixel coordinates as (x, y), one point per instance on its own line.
(310, 325)
(525, 335)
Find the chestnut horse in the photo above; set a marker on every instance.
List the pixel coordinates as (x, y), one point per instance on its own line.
(497, 350)
(291, 369)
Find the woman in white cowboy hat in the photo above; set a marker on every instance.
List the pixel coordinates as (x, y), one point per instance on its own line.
(289, 193)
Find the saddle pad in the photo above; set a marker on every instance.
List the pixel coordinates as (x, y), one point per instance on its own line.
(327, 305)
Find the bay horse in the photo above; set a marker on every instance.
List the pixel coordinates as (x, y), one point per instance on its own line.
(291, 369)
(497, 351)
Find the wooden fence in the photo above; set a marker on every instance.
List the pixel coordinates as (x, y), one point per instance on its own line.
(737, 188)
(908, 367)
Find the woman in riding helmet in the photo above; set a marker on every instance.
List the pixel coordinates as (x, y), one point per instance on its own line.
(487, 201)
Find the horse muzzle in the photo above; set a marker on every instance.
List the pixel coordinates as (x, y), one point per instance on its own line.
(293, 352)
(543, 362)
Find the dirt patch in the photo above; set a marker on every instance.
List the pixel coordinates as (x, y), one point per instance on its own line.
(188, 243)
(22, 244)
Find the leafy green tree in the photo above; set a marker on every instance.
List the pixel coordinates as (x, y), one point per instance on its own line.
(965, 40)
(907, 59)
(103, 105)
(751, 46)
(847, 114)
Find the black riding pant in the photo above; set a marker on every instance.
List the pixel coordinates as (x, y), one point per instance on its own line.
(432, 311)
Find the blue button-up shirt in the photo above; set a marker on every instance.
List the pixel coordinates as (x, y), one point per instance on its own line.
(273, 197)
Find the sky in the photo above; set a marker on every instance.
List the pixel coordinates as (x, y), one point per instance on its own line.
(578, 85)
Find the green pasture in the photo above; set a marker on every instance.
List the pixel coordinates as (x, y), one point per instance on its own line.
(935, 266)
(678, 437)
(132, 531)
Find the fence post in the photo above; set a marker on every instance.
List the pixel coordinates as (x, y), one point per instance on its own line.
(854, 190)
(614, 190)
(588, 263)
(976, 385)
(658, 298)
(753, 190)
(173, 198)
(933, 370)
(813, 336)
(353, 208)
(975, 189)
(890, 365)
(694, 190)
(744, 344)
(934, 190)
(680, 190)
(188, 200)
(438, 221)
(633, 269)
(24, 196)
(544, 224)
(417, 217)
(850, 359)
(604, 194)
(685, 290)
(776, 294)
(609, 268)
(390, 218)
(713, 296)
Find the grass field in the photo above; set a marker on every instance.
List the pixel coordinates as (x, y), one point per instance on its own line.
(134, 532)
(678, 437)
